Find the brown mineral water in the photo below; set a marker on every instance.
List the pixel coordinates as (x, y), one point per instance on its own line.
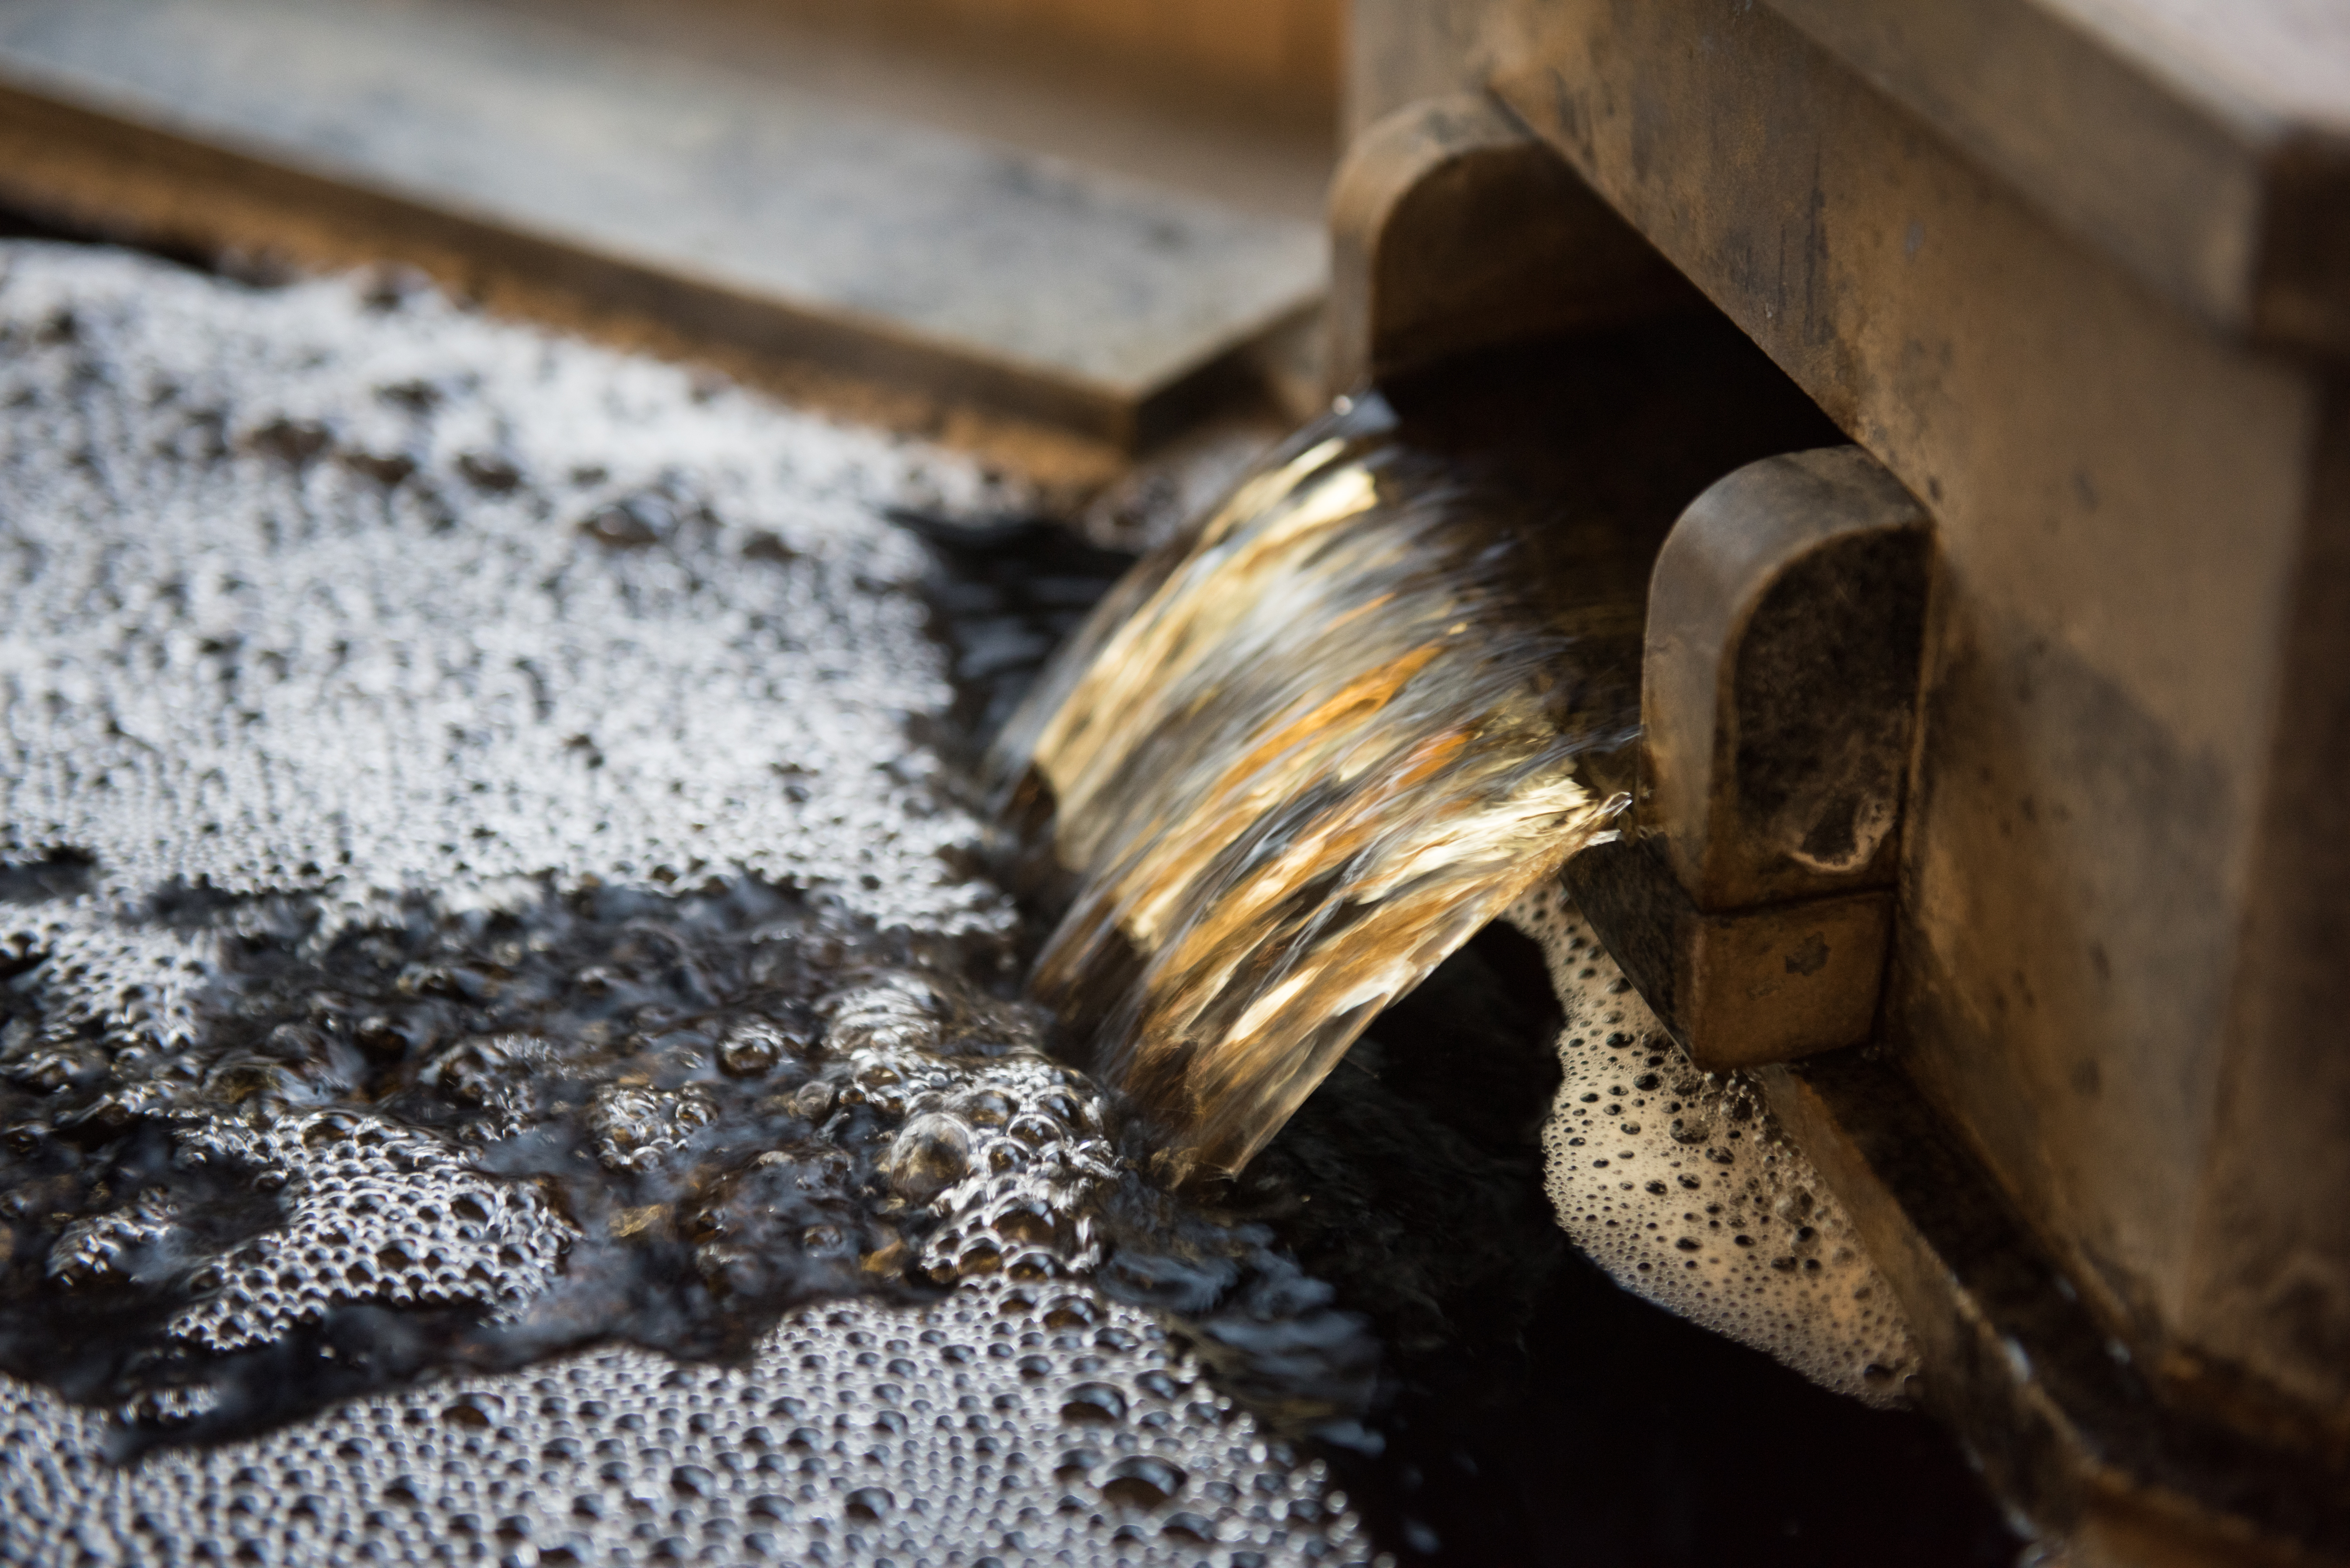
(1302, 755)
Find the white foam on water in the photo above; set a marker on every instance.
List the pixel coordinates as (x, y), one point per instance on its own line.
(317, 599)
(1004, 1424)
(247, 645)
(375, 1211)
(1681, 1186)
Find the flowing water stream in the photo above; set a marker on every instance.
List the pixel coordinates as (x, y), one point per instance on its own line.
(508, 1052)
(1372, 701)
(1302, 757)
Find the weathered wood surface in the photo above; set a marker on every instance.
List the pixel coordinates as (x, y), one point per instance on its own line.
(768, 214)
(2074, 272)
(2203, 144)
(2134, 519)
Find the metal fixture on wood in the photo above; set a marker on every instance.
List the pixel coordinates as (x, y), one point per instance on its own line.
(2077, 278)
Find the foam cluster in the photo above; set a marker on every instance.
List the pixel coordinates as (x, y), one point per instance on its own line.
(473, 899)
(1009, 1159)
(375, 1211)
(1006, 1424)
(1681, 1186)
(348, 593)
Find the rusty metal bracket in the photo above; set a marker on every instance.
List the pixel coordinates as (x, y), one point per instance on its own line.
(1750, 898)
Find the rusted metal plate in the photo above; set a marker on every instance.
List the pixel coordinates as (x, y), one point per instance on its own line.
(1751, 898)
(765, 214)
(1780, 678)
(1739, 988)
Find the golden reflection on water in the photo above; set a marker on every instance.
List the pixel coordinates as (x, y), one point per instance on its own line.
(1302, 755)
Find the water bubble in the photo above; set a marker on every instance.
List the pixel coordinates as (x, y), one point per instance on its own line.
(1832, 1321)
(930, 1154)
(756, 1047)
(1141, 1481)
(1093, 1402)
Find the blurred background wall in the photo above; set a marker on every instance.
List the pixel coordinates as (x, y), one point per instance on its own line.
(1284, 53)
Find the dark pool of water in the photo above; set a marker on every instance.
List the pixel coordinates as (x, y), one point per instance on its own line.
(1386, 1284)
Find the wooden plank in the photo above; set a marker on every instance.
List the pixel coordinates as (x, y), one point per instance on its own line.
(1024, 82)
(2124, 503)
(1045, 289)
(2204, 143)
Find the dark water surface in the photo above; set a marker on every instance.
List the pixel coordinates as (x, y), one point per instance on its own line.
(694, 1210)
